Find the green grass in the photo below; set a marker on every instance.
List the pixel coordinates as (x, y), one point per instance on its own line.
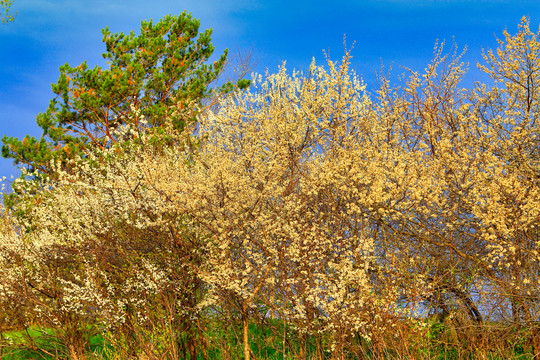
(40, 344)
(265, 344)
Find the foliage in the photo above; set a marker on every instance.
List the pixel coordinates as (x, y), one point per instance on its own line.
(5, 6)
(306, 213)
(159, 71)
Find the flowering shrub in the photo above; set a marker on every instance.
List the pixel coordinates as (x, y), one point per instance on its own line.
(343, 215)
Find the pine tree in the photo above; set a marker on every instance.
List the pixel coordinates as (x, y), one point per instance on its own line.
(162, 69)
(5, 6)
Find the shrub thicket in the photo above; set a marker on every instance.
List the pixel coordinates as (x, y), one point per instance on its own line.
(304, 217)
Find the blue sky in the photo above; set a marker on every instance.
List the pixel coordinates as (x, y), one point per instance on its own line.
(49, 33)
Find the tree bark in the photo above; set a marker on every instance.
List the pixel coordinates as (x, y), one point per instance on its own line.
(245, 335)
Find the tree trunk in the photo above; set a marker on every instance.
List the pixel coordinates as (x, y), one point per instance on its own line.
(192, 348)
(302, 340)
(535, 343)
(247, 352)
(75, 353)
(319, 350)
(204, 344)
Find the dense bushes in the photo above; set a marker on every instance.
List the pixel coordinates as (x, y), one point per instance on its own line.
(331, 221)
